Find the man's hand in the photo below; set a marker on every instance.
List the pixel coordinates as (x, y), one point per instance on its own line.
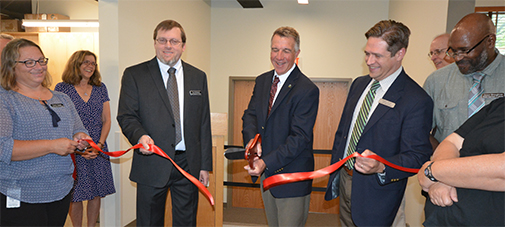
(368, 165)
(442, 195)
(259, 167)
(258, 147)
(146, 141)
(204, 177)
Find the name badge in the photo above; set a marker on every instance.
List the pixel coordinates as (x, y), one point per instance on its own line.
(195, 92)
(492, 95)
(387, 103)
(57, 105)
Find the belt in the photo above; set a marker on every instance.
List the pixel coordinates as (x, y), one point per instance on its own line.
(178, 152)
(349, 171)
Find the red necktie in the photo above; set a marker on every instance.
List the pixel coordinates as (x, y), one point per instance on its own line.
(273, 90)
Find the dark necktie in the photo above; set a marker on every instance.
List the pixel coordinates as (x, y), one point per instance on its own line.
(173, 96)
(273, 90)
(475, 99)
(361, 121)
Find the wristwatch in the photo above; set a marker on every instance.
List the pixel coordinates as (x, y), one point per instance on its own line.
(429, 174)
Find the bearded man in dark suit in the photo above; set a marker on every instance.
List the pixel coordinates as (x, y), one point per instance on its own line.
(164, 101)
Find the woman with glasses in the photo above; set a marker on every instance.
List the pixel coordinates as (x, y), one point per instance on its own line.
(39, 129)
(82, 83)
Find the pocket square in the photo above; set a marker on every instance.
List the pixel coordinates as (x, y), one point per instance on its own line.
(195, 92)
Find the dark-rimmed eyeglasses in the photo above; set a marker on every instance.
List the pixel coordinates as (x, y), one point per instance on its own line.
(451, 53)
(173, 42)
(437, 52)
(30, 63)
(86, 62)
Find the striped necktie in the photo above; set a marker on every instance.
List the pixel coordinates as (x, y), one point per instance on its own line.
(475, 99)
(361, 121)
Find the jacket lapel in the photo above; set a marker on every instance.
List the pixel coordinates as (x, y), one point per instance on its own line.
(159, 84)
(393, 94)
(289, 84)
(265, 95)
(353, 101)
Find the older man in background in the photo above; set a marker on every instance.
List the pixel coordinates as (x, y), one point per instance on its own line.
(438, 48)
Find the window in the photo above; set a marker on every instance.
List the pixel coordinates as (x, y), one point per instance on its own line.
(497, 14)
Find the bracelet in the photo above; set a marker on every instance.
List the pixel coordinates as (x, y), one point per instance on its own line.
(100, 144)
(429, 174)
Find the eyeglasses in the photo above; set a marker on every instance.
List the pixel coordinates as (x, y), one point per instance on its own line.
(173, 42)
(451, 53)
(437, 52)
(89, 63)
(31, 63)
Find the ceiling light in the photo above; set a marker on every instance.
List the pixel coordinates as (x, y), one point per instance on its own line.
(60, 23)
(303, 2)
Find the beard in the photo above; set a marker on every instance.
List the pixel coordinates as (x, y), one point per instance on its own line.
(474, 65)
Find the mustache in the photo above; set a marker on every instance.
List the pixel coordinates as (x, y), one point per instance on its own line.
(462, 61)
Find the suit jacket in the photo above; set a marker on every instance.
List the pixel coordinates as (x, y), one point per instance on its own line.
(287, 133)
(144, 109)
(400, 134)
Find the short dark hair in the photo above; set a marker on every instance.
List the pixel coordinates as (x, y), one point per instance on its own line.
(288, 32)
(168, 25)
(395, 34)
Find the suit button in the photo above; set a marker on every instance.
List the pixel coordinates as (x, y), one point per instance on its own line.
(173, 125)
(262, 127)
(173, 145)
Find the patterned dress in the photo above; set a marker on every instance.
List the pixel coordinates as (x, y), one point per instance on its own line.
(94, 177)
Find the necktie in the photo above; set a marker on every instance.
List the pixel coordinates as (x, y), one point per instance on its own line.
(475, 100)
(273, 90)
(173, 96)
(361, 121)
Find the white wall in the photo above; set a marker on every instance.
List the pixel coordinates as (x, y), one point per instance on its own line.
(138, 18)
(331, 34)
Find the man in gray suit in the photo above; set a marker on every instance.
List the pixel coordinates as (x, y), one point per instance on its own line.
(164, 101)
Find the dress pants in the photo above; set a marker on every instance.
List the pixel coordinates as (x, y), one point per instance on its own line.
(151, 201)
(345, 203)
(345, 198)
(285, 211)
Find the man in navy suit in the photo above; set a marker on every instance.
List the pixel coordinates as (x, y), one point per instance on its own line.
(396, 128)
(179, 124)
(283, 110)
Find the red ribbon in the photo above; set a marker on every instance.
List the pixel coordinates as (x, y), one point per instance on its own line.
(155, 149)
(286, 178)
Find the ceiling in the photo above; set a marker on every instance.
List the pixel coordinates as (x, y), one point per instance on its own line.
(15, 9)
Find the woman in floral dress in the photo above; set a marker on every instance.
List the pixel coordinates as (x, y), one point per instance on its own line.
(82, 83)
